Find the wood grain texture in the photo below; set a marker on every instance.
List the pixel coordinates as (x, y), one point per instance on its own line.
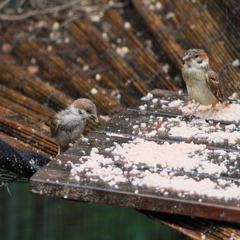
(55, 179)
(112, 55)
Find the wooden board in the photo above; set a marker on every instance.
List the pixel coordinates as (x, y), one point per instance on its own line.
(65, 178)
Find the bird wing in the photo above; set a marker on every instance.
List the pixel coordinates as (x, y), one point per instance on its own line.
(65, 121)
(55, 124)
(215, 84)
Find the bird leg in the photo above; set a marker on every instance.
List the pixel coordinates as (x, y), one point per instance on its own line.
(213, 106)
(59, 150)
(192, 112)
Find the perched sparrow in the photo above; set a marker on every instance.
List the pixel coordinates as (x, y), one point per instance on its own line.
(67, 125)
(202, 82)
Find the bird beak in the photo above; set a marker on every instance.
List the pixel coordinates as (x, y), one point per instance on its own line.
(93, 117)
(186, 57)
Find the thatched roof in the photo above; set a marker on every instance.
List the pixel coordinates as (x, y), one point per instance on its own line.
(110, 52)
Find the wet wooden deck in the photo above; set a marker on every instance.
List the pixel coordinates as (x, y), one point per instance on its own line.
(60, 178)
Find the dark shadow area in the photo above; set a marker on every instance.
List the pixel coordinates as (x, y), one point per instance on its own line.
(27, 216)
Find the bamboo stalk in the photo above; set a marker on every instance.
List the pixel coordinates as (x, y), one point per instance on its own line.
(17, 78)
(78, 81)
(165, 39)
(14, 142)
(197, 228)
(202, 34)
(22, 112)
(83, 29)
(28, 133)
(110, 81)
(25, 102)
(142, 61)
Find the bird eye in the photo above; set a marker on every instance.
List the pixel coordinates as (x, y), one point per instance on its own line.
(196, 56)
(88, 111)
(79, 111)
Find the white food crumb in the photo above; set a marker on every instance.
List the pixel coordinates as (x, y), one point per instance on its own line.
(55, 26)
(221, 112)
(49, 48)
(85, 68)
(170, 15)
(175, 103)
(203, 236)
(157, 166)
(236, 63)
(59, 162)
(122, 51)
(160, 119)
(234, 96)
(104, 35)
(98, 77)
(77, 178)
(94, 91)
(84, 139)
(151, 134)
(127, 25)
(148, 97)
(158, 5)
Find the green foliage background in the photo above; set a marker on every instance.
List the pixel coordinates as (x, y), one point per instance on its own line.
(28, 216)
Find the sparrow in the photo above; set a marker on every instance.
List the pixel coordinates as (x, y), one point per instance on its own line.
(203, 84)
(66, 126)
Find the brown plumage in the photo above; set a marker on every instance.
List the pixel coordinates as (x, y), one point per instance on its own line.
(203, 84)
(215, 84)
(67, 125)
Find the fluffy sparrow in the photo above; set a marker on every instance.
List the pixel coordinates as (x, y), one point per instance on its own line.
(67, 125)
(202, 82)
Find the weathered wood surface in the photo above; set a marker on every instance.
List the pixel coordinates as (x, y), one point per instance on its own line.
(197, 228)
(46, 60)
(55, 179)
(50, 60)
